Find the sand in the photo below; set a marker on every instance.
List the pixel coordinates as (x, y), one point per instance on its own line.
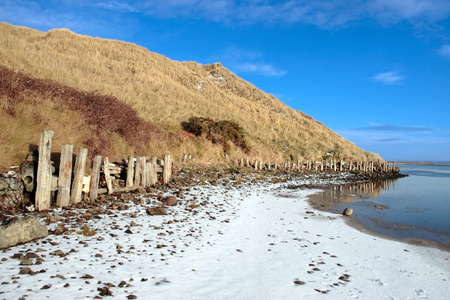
(235, 241)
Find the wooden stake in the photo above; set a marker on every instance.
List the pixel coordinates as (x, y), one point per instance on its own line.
(77, 184)
(65, 176)
(95, 178)
(167, 169)
(43, 180)
(137, 173)
(107, 175)
(130, 172)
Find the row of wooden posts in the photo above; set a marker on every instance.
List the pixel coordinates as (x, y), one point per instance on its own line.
(333, 165)
(141, 172)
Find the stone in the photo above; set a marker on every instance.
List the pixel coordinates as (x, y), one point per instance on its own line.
(348, 212)
(170, 201)
(156, 211)
(140, 190)
(27, 262)
(25, 270)
(21, 230)
(12, 193)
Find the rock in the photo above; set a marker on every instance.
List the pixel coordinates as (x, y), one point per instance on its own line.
(156, 211)
(140, 190)
(21, 230)
(348, 212)
(25, 271)
(170, 201)
(27, 262)
(12, 193)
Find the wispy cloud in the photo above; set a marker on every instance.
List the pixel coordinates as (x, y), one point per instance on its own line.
(396, 128)
(389, 78)
(445, 51)
(391, 140)
(322, 13)
(260, 68)
(244, 61)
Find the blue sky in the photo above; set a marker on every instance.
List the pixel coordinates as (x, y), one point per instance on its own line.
(376, 72)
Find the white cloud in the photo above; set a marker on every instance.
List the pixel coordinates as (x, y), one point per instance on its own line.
(389, 78)
(445, 51)
(244, 61)
(410, 10)
(261, 69)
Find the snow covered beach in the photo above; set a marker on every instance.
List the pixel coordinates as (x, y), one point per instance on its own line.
(226, 240)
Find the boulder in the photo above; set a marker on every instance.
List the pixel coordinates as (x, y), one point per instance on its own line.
(21, 230)
(156, 211)
(170, 201)
(11, 193)
(348, 212)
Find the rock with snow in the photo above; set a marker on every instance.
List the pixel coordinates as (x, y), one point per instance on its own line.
(21, 230)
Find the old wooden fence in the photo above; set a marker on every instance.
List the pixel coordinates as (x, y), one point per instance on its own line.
(140, 172)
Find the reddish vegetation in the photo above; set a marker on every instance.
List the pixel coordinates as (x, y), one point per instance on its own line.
(104, 114)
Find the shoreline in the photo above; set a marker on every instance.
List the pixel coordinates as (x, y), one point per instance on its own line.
(319, 202)
(240, 236)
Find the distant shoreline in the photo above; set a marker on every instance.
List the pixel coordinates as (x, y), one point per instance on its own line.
(420, 163)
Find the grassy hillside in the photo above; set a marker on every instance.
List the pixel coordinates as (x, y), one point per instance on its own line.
(162, 92)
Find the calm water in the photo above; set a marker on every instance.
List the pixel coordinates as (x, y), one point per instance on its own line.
(417, 206)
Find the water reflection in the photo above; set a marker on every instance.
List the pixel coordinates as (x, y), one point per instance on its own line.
(353, 191)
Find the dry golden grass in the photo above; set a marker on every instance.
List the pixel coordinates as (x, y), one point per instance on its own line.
(167, 92)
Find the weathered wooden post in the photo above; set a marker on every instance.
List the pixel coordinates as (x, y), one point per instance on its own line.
(153, 173)
(95, 178)
(144, 171)
(65, 176)
(130, 172)
(167, 173)
(137, 176)
(107, 175)
(43, 180)
(77, 184)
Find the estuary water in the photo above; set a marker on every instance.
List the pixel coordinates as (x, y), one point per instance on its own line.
(413, 207)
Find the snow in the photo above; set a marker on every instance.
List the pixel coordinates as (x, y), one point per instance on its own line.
(249, 241)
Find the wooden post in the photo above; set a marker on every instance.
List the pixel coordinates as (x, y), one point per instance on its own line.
(43, 180)
(65, 176)
(107, 175)
(341, 164)
(167, 169)
(130, 172)
(95, 178)
(334, 164)
(153, 175)
(137, 176)
(149, 172)
(77, 184)
(144, 171)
